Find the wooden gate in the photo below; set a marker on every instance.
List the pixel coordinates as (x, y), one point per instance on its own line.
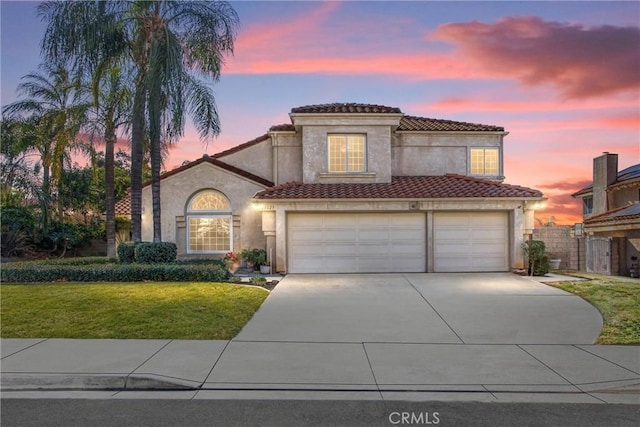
(599, 255)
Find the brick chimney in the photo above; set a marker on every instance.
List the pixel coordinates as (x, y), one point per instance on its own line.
(605, 173)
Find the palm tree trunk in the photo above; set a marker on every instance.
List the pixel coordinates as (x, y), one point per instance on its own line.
(45, 198)
(156, 161)
(156, 156)
(109, 184)
(137, 145)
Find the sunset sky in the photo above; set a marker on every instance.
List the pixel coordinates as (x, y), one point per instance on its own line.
(563, 78)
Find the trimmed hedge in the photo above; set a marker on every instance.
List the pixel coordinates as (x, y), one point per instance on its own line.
(147, 252)
(155, 252)
(90, 260)
(177, 272)
(126, 252)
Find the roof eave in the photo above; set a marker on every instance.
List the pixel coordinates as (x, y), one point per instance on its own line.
(398, 199)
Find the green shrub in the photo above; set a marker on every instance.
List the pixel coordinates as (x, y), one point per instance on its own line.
(18, 225)
(155, 252)
(126, 252)
(90, 260)
(539, 261)
(543, 266)
(260, 281)
(37, 273)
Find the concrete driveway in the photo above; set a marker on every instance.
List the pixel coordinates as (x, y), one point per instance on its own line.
(448, 308)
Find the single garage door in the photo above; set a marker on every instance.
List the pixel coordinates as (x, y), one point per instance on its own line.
(356, 243)
(470, 241)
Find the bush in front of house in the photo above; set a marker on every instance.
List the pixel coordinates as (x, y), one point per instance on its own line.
(155, 252)
(28, 272)
(147, 252)
(126, 252)
(539, 261)
(89, 260)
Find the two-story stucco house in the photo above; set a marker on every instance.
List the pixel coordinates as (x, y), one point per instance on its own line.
(611, 216)
(354, 188)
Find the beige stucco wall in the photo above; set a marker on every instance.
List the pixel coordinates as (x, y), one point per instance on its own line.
(256, 159)
(177, 190)
(287, 157)
(315, 156)
(439, 153)
(623, 196)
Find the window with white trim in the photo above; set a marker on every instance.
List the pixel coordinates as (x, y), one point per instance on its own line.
(209, 223)
(485, 161)
(347, 153)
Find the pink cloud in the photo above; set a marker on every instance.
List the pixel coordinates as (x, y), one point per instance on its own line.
(581, 61)
(433, 66)
(320, 42)
(624, 120)
(453, 104)
(569, 187)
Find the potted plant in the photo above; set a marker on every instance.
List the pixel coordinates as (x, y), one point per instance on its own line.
(232, 260)
(256, 258)
(247, 257)
(260, 260)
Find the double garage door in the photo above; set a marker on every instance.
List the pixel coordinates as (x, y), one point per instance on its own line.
(396, 242)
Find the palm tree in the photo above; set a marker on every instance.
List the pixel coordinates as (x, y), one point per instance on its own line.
(58, 103)
(112, 102)
(167, 42)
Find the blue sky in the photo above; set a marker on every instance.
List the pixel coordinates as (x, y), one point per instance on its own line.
(562, 77)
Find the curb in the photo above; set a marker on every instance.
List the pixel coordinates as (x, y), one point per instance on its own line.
(24, 382)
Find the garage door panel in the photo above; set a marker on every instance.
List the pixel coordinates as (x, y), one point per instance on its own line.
(338, 235)
(373, 235)
(352, 243)
(338, 221)
(470, 241)
(407, 234)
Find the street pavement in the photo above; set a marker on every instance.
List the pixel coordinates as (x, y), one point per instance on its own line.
(411, 337)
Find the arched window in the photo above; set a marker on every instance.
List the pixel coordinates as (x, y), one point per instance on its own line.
(209, 223)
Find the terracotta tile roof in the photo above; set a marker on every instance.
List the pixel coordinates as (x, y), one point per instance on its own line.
(219, 164)
(242, 146)
(346, 107)
(411, 123)
(123, 206)
(401, 187)
(282, 127)
(621, 214)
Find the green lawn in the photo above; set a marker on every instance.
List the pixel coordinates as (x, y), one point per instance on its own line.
(127, 310)
(617, 298)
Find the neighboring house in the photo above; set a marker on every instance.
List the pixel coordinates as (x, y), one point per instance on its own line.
(354, 188)
(611, 217)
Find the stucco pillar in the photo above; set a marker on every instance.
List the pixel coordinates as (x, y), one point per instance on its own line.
(181, 235)
(269, 230)
(237, 241)
(523, 225)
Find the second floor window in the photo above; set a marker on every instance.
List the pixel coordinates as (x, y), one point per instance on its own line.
(485, 161)
(587, 205)
(347, 153)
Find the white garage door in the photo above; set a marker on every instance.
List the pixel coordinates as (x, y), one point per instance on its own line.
(473, 241)
(356, 243)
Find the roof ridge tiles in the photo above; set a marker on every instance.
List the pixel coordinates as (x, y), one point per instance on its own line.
(345, 107)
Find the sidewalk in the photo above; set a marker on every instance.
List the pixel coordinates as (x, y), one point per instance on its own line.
(312, 370)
